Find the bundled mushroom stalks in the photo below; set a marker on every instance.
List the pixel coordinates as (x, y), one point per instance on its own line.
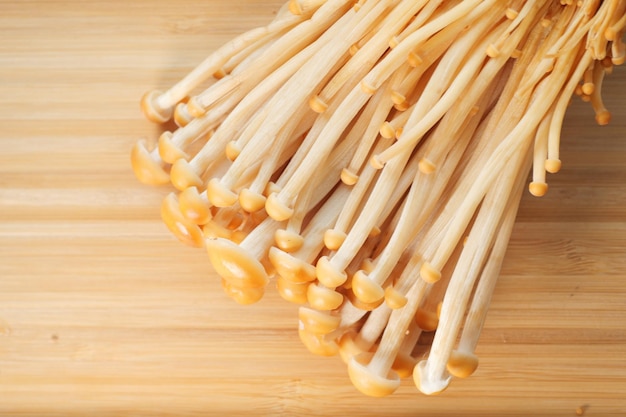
(368, 159)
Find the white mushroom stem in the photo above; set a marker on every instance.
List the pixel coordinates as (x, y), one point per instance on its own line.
(367, 128)
(404, 362)
(471, 70)
(267, 88)
(596, 41)
(464, 12)
(317, 31)
(289, 239)
(336, 236)
(300, 87)
(461, 57)
(220, 190)
(174, 145)
(392, 128)
(553, 163)
(159, 106)
(602, 114)
(247, 114)
(557, 35)
(426, 13)
(354, 343)
(418, 208)
(303, 83)
(430, 375)
(296, 266)
(463, 360)
(372, 373)
(246, 57)
(538, 187)
(543, 97)
(367, 219)
(374, 48)
(243, 264)
(299, 7)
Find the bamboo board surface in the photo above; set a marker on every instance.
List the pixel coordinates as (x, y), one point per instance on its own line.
(103, 312)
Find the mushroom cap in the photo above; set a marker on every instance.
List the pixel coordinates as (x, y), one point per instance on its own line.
(184, 229)
(553, 165)
(235, 264)
(276, 209)
(232, 150)
(333, 238)
(318, 344)
(429, 273)
(323, 298)
(538, 189)
(291, 268)
(462, 364)
(184, 176)
(426, 320)
(182, 117)
(242, 295)
(147, 170)
(387, 130)
(426, 166)
(366, 380)
(213, 230)
(317, 104)
(288, 240)
(294, 7)
(348, 177)
(193, 206)
(251, 201)
(349, 346)
(168, 150)
(394, 298)
(318, 322)
(194, 107)
(404, 364)
(151, 109)
(328, 274)
(361, 305)
(294, 292)
(365, 289)
(220, 195)
(426, 383)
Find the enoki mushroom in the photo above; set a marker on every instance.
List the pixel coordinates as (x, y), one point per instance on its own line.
(367, 160)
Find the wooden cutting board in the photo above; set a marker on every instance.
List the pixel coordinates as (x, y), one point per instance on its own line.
(103, 312)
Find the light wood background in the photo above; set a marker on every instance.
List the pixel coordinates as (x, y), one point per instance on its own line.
(102, 312)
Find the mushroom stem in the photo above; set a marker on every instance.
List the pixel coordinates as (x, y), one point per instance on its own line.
(158, 107)
(314, 33)
(355, 343)
(418, 209)
(538, 187)
(464, 359)
(515, 140)
(335, 237)
(305, 82)
(296, 266)
(425, 116)
(366, 129)
(374, 48)
(370, 215)
(371, 373)
(430, 375)
(464, 12)
(553, 163)
(603, 117)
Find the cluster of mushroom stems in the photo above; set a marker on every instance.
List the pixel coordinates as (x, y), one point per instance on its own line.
(368, 159)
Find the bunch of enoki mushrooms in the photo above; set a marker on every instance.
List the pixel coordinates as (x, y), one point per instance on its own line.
(367, 160)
